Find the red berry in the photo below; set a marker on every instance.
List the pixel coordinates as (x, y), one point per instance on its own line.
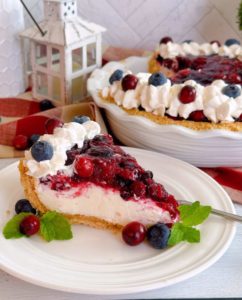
(239, 118)
(129, 82)
(134, 233)
(215, 42)
(157, 192)
(104, 169)
(83, 166)
(165, 40)
(138, 188)
(199, 62)
(187, 94)
(197, 116)
(171, 64)
(51, 124)
(29, 225)
(20, 142)
(234, 78)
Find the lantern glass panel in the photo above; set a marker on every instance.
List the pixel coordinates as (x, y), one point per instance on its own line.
(79, 90)
(41, 55)
(91, 54)
(56, 88)
(77, 60)
(55, 58)
(42, 83)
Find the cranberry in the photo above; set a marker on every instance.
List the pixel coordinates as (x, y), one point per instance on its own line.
(134, 233)
(171, 64)
(234, 78)
(104, 170)
(215, 42)
(199, 62)
(51, 124)
(129, 174)
(197, 116)
(125, 194)
(129, 82)
(146, 176)
(138, 188)
(187, 94)
(183, 62)
(20, 142)
(29, 225)
(84, 166)
(165, 40)
(157, 192)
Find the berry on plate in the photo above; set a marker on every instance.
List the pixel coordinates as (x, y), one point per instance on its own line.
(158, 235)
(23, 205)
(134, 233)
(30, 225)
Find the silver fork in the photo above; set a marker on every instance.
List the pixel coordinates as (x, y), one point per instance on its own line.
(217, 212)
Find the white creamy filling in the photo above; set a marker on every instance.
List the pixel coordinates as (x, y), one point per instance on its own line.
(171, 50)
(106, 204)
(165, 99)
(61, 140)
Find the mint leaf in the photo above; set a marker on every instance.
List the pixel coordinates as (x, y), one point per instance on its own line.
(180, 232)
(11, 229)
(53, 226)
(194, 214)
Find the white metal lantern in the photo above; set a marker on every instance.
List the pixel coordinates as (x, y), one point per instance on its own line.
(62, 58)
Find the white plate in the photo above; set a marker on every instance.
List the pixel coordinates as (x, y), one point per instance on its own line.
(211, 148)
(97, 261)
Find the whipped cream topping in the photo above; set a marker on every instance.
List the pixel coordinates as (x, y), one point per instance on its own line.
(63, 139)
(159, 100)
(171, 50)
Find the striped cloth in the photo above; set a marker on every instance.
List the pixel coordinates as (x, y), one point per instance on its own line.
(22, 116)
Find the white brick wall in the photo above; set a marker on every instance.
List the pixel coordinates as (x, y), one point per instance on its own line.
(141, 23)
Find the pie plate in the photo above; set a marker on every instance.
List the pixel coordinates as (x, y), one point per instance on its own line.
(99, 262)
(210, 148)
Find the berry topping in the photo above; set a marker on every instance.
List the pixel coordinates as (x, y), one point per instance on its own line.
(81, 119)
(102, 139)
(199, 62)
(165, 40)
(23, 205)
(128, 174)
(30, 225)
(215, 42)
(197, 116)
(157, 79)
(83, 166)
(51, 124)
(231, 90)
(102, 151)
(158, 235)
(33, 139)
(157, 192)
(171, 64)
(116, 76)
(138, 188)
(45, 105)
(230, 42)
(129, 82)
(125, 194)
(187, 94)
(42, 150)
(234, 78)
(20, 142)
(183, 62)
(134, 233)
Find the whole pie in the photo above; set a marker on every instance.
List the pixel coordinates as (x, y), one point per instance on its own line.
(80, 173)
(189, 84)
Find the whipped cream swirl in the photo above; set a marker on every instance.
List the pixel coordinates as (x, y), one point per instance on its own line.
(163, 99)
(171, 50)
(63, 139)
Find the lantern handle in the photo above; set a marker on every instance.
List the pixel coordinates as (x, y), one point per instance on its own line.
(43, 33)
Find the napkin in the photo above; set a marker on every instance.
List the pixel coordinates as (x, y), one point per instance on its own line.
(19, 116)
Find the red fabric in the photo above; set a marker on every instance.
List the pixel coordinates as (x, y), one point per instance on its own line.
(14, 107)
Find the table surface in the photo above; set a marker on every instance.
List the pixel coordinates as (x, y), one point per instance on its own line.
(222, 280)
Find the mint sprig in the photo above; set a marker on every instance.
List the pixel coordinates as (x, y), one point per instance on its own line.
(53, 226)
(190, 216)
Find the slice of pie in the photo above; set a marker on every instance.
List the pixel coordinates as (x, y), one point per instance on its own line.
(80, 173)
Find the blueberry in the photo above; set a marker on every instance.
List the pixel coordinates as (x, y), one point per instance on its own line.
(24, 205)
(231, 90)
(42, 150)
(33, 139)
(158, 235)
(101, 151)
(230, 42)
(45, 105)
(188, 41)
(117, 75)
(81, 119)
(157, 79)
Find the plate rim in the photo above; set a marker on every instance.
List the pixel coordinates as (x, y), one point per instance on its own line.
(153, 286)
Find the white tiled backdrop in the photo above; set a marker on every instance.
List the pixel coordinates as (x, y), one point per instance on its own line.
(141, 23)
